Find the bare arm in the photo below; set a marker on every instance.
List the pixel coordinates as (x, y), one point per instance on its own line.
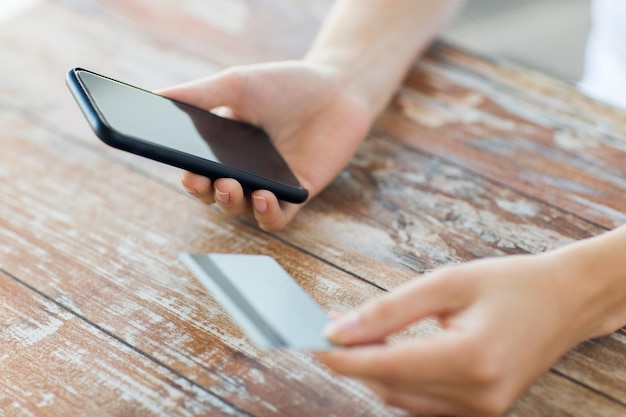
(372, 43)
(597, 269)
(317, 110)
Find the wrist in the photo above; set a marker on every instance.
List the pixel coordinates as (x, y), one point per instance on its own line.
(594, 282)
(371, 89)
(371, 45)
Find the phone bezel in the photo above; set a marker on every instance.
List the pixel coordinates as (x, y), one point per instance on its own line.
(169, 156)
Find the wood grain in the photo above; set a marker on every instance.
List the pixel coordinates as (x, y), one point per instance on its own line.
(405, 197)
(138, 272)
(399, 212)
(518, 128)
(55, 37)
(609, 374)
(99, 232)
(105, 244)
(53, 363)
(135, 290)
(545, 392)
(232, 32)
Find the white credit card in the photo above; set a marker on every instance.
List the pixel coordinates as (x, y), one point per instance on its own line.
(263, 299)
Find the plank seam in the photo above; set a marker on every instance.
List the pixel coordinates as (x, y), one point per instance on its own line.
(590, 388)
(122, 341)
(385, 136)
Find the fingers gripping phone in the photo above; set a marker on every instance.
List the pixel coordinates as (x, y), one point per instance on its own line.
(165, 130)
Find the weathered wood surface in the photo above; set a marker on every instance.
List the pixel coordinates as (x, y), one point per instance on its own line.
(114, 262)
(518, 128)
(146, 299)
(50, 355)
(98, 232)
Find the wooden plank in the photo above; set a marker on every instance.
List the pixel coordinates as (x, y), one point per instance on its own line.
(104, 242)
(397, 211)
(484, 116)
(233, 32)
(516, 127)
(68, 118)
(412, 262)
(76, 37)
(415, 213)
(113, 262)
(81, 37)
(607, 375)
(541, 396)
(53, 363)
(454, 227)
(506, 111)
(425, 213)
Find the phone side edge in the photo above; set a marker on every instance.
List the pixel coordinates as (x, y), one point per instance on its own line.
(96, 122)
(237, 307)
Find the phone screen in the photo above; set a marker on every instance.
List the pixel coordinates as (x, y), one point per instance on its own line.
(157, 120)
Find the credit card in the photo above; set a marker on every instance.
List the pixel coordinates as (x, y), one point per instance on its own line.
(262, 299)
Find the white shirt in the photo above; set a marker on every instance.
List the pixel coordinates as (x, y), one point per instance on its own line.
(604, 76)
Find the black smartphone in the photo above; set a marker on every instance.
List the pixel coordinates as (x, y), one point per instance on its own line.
(165, 130)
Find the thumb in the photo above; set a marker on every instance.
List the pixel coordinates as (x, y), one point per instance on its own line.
(221, 89)
(436, 294)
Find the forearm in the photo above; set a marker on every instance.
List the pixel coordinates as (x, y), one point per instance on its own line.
(372, 43)
(598, 281)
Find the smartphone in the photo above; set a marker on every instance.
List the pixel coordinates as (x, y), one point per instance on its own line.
(165, 130)
(263, 299)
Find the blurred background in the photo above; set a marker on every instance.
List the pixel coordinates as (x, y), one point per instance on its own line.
(547, 34)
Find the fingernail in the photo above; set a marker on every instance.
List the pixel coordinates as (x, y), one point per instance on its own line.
(260, 204)
(341, 328)
(191, 191)
(222, 197)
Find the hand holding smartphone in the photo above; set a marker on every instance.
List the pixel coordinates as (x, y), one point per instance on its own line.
(165, 130)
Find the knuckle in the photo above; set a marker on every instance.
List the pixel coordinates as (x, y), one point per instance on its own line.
(482, 365)
(486, 370)
(381, 311)
(235, 77)
(494, 403)
(232, 74)
(452, 279)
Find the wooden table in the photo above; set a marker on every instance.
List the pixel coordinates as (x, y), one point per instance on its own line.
(98, 317)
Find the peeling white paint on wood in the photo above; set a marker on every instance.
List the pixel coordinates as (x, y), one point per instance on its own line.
(83, 235)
